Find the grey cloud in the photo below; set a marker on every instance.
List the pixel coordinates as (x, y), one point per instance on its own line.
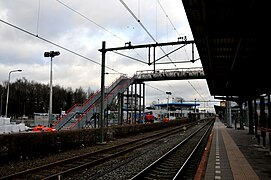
(64, 27)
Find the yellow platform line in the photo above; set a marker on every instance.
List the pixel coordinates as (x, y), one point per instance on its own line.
(240, 167)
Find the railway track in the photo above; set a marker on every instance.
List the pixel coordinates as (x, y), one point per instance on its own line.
(62, 168)
(180, 161)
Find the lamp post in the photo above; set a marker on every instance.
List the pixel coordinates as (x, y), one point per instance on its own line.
(181, 107)
(1, 104)
(17, 70)
(168, 93)
(195, 105)
(51, 54)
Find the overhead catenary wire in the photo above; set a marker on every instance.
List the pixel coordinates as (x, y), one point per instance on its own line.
(37, 34)
(95, 23)
(175, 29)
(145, 29)
(55, 44)
(173, 26)
(38, 18)
(62, 47)
(103, 28)
(134, 16)
(195, 90)
(121, 54)
(179, 92)
(156, 88)
(199, 86)
(138, 8)
(88, 19)
(170, 52)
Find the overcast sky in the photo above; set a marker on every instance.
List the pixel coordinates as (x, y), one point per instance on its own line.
(77, 28)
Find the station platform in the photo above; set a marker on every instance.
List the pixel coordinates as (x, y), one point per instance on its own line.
(236, 154)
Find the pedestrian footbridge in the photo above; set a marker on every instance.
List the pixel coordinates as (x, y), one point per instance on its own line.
(80, 115)
(170, 74)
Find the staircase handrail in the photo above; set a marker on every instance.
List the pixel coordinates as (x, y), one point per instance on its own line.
(116, 81)
(120, 77)
(82, 116)
(98, 91)
(130, 80)
(94, 94)
(107, 96)
(74, 106)
(63, 116)
(92, 106)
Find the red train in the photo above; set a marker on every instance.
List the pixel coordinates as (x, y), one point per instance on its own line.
(149, 118)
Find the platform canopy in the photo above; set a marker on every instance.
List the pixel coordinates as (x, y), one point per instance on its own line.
(232, 38)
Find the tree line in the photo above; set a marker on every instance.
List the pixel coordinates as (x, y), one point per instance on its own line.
(29, 97)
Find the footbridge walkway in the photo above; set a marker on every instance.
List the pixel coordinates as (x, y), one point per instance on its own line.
(82, 115)
(171, 74)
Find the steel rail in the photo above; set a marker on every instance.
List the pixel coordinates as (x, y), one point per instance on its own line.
(57, 168)
(173, 158)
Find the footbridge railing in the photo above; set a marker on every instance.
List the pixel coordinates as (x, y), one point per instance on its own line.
(77, 116)
(171, 74)
(77, 110)
(119, 88)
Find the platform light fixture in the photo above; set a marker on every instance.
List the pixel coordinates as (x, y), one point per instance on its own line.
(51, 54)
(17, 70)
(168, 93)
